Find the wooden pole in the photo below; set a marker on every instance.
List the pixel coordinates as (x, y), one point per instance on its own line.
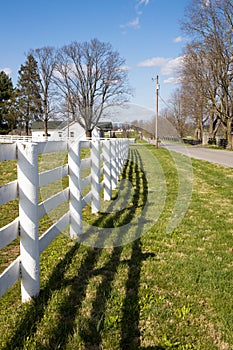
(157, 111)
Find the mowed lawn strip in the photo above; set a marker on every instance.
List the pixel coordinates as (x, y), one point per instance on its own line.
(165, 290)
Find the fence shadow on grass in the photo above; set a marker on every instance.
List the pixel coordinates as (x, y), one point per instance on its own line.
(36, 309)
(91, 332)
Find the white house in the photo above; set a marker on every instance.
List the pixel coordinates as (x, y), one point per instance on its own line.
(60, 130)
(57, 131)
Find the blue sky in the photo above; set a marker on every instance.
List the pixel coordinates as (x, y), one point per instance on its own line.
(145, 32)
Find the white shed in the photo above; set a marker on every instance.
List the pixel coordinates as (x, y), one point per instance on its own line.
(60, 130)
(57, 131)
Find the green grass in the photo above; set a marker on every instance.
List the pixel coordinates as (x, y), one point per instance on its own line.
(164, 290)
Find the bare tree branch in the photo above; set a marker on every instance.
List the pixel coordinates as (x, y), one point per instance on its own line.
(89, 74)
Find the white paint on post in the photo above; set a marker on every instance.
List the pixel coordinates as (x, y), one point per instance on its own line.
(125, 148)
(121, 156)
(95, 175)
(28, 219)
(74, 162)
(107, 170)
(118, 158)
(113, 164)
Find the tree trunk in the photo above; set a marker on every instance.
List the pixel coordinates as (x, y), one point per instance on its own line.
(88, 134)
(46, 117)
(46, 127)
(214, 125)
(229, 133)
(211, 125)
(27, 127)
(197, 134)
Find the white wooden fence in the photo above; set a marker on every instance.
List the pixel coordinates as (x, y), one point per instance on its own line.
(107, 159)
(14, 138)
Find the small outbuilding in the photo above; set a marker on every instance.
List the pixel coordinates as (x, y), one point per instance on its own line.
(61, 130)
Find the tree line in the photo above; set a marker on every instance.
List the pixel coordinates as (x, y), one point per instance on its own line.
(203, 99)
(79, 80)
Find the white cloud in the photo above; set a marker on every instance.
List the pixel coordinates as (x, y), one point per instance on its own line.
(139, 3)
(154, 62)
(124, 68)
(172, 80)
(171, 66)
(6, 70)
(179, 39)
(143, 2)
(132, 24)
(135, 24)
(168, 67)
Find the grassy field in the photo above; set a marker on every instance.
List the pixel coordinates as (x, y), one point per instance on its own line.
(163, 290)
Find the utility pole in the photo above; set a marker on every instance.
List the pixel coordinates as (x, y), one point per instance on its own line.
(157, 111)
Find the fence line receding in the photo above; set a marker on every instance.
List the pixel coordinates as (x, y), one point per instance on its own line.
(107, 158)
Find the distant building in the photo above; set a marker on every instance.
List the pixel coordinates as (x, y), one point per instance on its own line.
(103, 126)
(61, 130)
(57, 130)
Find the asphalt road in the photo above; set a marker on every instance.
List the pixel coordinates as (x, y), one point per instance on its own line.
(221, 157)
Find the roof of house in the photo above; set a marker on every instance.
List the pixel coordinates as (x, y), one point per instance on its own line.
(59, 125)
(104, 125)
(52, 125)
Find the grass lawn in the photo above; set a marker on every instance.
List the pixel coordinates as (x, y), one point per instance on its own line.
(163, 290)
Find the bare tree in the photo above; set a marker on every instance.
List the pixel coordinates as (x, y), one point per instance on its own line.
(91, 78)
(46, 60)
(176, 113)
(210, 24)
(193, 89)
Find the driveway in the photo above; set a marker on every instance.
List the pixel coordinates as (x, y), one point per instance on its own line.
(221, 157)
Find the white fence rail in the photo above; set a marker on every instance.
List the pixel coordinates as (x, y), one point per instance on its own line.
(14, 138)
(107, 159)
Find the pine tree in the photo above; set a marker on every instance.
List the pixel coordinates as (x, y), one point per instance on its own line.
(6, 93)
(46, 61)
(29, 93)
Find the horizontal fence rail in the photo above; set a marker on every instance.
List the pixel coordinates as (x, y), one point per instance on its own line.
(106, 160)
(14, 138)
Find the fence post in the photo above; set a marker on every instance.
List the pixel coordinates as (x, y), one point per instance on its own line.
(95, 175)
(114, 163)
(74, 162)
(118, 169)
(28, 183)
(121, 154)
(125, 148)
(107, 170)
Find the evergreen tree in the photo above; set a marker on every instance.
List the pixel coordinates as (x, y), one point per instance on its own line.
(29, 93)
(46, 61)
(6, 94)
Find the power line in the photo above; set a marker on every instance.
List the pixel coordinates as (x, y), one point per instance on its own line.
(172, 109)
